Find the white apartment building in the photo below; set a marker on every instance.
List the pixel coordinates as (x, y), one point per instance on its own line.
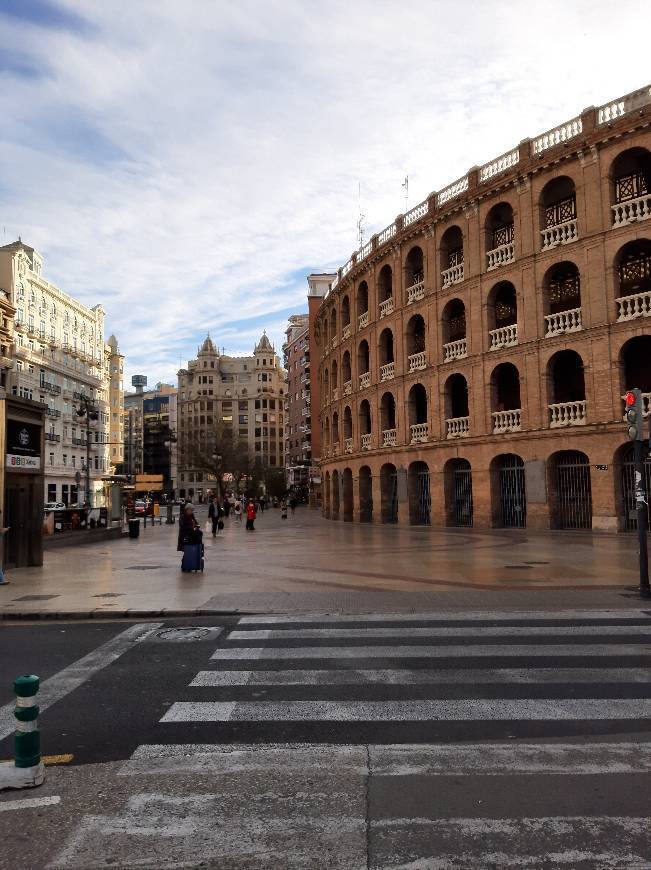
(60, 358)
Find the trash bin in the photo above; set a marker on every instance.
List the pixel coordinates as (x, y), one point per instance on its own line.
(134, 528)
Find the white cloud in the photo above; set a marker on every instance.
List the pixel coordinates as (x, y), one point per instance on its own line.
(186, 163)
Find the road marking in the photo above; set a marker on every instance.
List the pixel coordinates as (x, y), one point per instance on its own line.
(426, 652)
(61, 684)
(408, 632)
(397, 677)
(29, 803)
(443, 616)
(500, 709)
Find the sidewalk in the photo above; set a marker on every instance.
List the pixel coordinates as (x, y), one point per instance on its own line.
(307, 564)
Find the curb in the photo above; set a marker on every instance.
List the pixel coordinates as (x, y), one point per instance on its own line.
(54, 615)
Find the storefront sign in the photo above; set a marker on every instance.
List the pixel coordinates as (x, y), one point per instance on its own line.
(23, 445)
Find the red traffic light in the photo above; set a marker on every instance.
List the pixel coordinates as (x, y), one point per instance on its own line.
(629, 399)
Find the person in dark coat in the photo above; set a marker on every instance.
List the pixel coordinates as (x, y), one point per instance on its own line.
(188, 526)
(215, 512)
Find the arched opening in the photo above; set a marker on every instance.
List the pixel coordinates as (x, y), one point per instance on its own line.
(345, 312)
(327, 504)
(365, 495)
(503, 315)
(334, 376)
(625, 465)
(414, 274)
(385, 284)
(365, 425)
(388, 420)
(633, 280)
(335, 495)
(562, 299)
(333, 324)
(325, 331)
(420, 502)
(362, 304)
(457, 482)
(348, 429)
(558, 212)
(417, 410)
(326, 433)
(348, 495)
(499, 236)
(635, 361)
(387, 364)
(566, 389)
(326, 385)
(451, 256)
(505, 398)
(364, 364)
(630, 186)
(454, 330)
(570, 496)
(415, 341)
(456, 406)
(335, 428)
(508, 491)
(389, 493)
(346, 373)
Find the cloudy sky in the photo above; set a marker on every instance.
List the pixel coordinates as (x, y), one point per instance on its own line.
(188, 162)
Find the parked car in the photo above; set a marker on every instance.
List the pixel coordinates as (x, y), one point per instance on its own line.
(54, 506)
(140, 507)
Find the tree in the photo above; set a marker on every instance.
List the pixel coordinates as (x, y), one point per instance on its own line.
(221, 454)
(274, 481)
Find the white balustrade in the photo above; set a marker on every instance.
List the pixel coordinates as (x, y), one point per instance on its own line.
(335, 341)
(335, 448)
(387, 234)
(388, 371)
(499, 165)
(416, 213)
(564, 321)
(506, 421)
(419, 433)
(366, 441)
(635, 100)
(362, 320)
(386, 307)
(417, 361)
(561, 234)
(453, 275)
(458, 427)
(389, 438)
(637, 305)
(364, 380)
(632, 210)
(563, 133)
(345, 332)
(504, 336)
(348, 388)
(452, 190)
(567, 414)
(500, 256)
(335, 394)
(348, 445)
(365, 251)
(415, 292)
(345, 269)
(335, 283)
(455, 349)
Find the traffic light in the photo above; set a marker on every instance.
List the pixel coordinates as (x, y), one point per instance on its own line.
(634, 420)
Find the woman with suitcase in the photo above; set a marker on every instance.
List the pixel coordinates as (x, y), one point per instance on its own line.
(190, 541)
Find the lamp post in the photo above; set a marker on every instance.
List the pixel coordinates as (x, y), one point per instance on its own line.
(217, 459)
(170, 489)
(86, 409)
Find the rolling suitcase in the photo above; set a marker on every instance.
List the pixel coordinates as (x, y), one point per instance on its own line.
(192, 557)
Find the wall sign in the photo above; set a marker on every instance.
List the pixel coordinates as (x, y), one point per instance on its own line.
(23, 445)
(601, 467)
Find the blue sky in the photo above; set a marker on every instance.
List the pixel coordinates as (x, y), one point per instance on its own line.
(187, 164)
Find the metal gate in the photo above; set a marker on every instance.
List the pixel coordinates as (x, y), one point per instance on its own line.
(392, 498)
(424, 502)
(513, 505)
(628, 489)
(574, 497)
(463, 497)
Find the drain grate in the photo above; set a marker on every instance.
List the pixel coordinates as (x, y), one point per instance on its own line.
(144, 567)
(186, 633)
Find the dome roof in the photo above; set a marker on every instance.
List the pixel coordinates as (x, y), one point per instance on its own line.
(208, 345)
(264, 345)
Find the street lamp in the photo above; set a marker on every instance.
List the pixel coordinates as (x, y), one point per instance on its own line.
(86, 409)
(170, 495)
(217, 459)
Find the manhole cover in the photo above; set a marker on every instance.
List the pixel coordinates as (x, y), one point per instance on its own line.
(144, 567)
(109, 595)
(36, 598)
(186, 633)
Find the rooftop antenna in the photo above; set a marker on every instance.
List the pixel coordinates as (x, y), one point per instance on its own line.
(405, 187)
(361, 219)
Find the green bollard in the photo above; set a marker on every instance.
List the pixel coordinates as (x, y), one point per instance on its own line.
(27, 769)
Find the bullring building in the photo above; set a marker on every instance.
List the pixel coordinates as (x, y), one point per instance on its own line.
(473, 355)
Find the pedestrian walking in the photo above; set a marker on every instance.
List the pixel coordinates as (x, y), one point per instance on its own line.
(263, 504)
(188, 527)
(292, 505)
(237, 510)
(214, 512)
(251, 514)
(227, 508)
(283, 510)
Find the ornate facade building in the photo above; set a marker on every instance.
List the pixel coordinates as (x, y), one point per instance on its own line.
(473, 355)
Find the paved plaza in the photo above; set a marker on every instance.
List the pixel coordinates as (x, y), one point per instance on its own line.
(308, 564)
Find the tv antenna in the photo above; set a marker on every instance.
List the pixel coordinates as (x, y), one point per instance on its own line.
(361, 219)
(405, 187)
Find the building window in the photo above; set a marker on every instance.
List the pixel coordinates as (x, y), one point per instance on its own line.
(52, 463)
(65, 458)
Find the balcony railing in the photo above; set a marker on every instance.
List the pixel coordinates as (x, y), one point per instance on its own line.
(335, 341)
(419, 433)
(567, 414)
(637, 305)
(362, 320)
(347, 388)
(562, 322)
(335, 449)
(364, 380)
(453, 275)
(632, 210)
(366, 441)
(386, 307)
(415, 292)
(455, 349)
(500, 256)
(417, 361)
(335, 394)
(387, 372)
(348, 445)
(50, 436)
(506, 421)
(53, 412)
(503, 336)
(389, 438)
(560, 234)
(458, 427)
(345, 332)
